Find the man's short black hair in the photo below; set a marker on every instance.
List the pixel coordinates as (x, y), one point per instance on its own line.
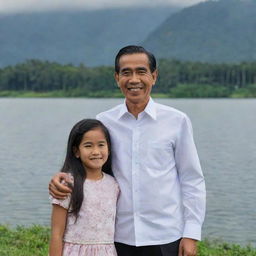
(131, 49)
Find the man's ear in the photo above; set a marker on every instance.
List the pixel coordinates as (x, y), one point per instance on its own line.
(117, 78)
(155, 75)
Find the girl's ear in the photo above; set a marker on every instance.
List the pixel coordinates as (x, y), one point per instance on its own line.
(76, 152)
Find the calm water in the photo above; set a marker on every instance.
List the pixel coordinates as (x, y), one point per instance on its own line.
(33, 135)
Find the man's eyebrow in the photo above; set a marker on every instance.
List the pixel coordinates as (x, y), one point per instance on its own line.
(137, 69)
(141, 68)
(125, 69)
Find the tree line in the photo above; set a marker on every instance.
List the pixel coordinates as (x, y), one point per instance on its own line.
(176, 79)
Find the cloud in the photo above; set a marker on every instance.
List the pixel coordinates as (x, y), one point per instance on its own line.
(10, 6)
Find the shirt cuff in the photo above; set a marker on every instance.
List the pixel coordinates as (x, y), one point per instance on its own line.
(192, 230)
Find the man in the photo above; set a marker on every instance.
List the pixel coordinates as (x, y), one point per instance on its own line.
(161, 206)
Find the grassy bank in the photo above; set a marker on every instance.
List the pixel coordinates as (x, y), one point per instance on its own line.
(182, 91)
(33, 241)
(60, 94)
(69, 94)
(24, 241)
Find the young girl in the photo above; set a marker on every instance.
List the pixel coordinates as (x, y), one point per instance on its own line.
(83, 224)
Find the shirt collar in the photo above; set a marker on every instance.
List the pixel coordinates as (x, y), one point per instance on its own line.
(123, 110)
(150, 109)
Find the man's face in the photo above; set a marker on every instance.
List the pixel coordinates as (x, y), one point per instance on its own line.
(135, 78)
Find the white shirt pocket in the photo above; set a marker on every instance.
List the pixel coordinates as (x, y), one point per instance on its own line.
(160, 155)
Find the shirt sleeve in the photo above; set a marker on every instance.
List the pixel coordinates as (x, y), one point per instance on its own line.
(64, 203)
(117, 190)
(191, 180)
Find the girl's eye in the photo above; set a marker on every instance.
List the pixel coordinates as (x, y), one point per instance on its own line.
(102, 145)
(87, 146)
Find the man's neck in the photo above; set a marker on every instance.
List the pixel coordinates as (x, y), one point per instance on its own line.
(136, 108)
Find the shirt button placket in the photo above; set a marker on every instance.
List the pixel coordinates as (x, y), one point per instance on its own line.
(135, 177)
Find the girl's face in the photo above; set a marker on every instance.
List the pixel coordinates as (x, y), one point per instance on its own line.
(93, 150)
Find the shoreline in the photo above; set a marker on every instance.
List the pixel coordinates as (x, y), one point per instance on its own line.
(103, 95)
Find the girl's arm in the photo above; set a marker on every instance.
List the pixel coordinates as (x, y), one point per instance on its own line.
(58, 224)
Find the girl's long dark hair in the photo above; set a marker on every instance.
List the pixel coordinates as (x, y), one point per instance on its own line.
(74, 165)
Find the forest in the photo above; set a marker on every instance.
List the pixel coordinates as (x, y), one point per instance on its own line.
(180, 79)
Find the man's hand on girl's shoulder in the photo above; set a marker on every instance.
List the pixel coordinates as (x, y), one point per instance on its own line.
(57, 188)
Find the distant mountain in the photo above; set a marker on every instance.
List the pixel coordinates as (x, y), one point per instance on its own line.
(89, 37)
(213, 31)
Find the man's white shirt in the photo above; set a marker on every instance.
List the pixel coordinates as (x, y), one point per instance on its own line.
(156, 165)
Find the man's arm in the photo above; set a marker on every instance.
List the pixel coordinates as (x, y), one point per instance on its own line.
(58, 224)
(192, 188)
(57, 189)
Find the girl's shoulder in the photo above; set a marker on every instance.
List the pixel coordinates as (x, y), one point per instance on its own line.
(110, 179)
(64, 203)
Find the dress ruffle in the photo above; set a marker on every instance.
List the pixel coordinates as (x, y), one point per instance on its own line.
(71, 249)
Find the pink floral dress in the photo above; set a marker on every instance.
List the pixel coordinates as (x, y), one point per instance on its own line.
(93, 232)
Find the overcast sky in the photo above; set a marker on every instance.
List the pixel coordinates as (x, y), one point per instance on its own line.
(10, 6)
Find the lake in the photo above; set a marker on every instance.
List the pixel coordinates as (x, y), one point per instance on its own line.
(34, 132)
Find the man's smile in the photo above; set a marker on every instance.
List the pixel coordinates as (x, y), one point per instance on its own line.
(135, 88)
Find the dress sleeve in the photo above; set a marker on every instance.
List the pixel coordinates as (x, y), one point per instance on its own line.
(63, 202)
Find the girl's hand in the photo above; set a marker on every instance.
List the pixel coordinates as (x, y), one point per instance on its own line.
(57, 189)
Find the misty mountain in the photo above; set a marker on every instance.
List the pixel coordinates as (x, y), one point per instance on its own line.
(213, 31)
(89, 37)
